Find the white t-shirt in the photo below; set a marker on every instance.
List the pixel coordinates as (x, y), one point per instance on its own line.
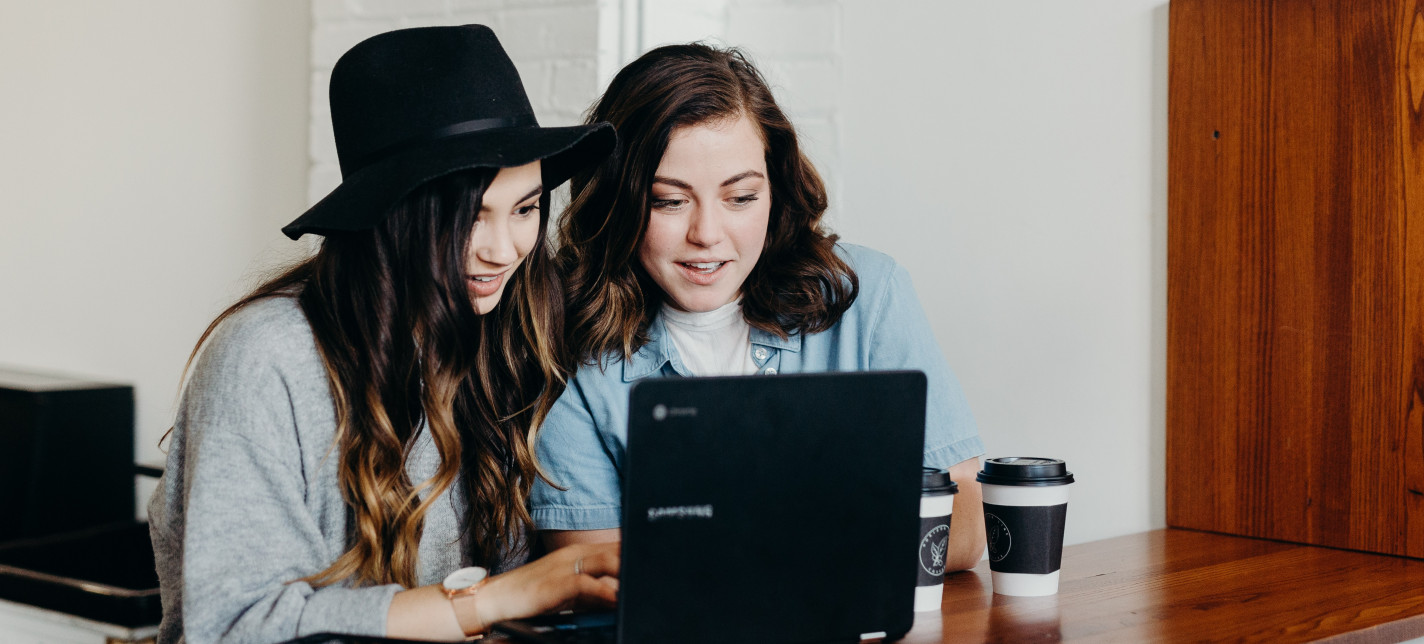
(714, 343)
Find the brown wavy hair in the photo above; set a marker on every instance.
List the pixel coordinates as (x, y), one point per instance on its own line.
(403, 345)
(798, 285)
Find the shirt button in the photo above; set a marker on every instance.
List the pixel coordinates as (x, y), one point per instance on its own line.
(770, 371)
(760, 353)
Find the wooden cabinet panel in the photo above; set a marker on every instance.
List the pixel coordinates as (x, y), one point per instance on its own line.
(1296, 271)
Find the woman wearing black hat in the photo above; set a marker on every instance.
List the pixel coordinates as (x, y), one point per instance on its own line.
(352, 450)
(698, 248)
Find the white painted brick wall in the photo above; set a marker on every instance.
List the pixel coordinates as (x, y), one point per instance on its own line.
(567, 51)
(795, 43)
(677, 21)
(555, 44)
(790, 28)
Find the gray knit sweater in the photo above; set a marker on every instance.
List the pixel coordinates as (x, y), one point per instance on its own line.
(250, 500)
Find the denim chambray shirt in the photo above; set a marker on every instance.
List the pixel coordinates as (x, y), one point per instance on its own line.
(581, 443)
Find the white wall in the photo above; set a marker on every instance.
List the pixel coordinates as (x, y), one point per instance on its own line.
(796, 44)
(149, 153)
(558, 46)
(1013, 156)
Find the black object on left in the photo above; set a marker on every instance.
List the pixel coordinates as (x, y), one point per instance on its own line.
(66, 454)
(103, 573)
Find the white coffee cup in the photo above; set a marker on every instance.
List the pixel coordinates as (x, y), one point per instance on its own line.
(1025, 509)
(936, 510)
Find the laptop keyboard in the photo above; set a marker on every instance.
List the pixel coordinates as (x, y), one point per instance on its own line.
(585, 629)
(587, 635)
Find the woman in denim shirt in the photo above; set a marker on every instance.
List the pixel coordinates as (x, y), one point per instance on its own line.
(697, 249)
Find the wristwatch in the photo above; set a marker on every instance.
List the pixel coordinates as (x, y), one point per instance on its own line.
(465, 582)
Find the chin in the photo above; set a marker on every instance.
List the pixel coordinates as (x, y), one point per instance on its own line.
(485, 305)
(701, 304)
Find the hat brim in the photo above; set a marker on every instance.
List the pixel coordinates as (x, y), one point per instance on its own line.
(363, 198)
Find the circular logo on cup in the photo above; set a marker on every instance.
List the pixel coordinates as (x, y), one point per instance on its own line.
(1000, 541)
(933, 548)
(659, 412)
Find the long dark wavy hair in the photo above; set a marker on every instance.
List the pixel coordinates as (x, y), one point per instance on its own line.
(403, 346)
(798, 285)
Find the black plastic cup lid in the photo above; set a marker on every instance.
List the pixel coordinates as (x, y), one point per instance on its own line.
(1025, 470)
(936, 482)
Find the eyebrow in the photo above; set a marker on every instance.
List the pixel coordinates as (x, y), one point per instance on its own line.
(537, 189)
(744, 175)
(685, 186)
(672, 182)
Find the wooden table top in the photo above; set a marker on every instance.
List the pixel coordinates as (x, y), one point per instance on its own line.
(1181, 585)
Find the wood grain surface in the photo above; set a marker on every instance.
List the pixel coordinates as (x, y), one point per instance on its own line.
(1187, 586)
(1295, 354)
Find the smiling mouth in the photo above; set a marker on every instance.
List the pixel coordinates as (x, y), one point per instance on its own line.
(702, 268)
(484, 285)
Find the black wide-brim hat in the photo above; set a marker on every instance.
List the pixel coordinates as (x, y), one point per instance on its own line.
(413, 105)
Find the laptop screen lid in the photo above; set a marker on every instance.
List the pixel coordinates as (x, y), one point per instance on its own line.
(771, 508)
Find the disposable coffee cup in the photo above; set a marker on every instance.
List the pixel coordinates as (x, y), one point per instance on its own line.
(1025, 507)
(936, 509)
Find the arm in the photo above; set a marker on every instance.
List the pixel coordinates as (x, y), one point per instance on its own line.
(232, 527)
(901, 338)
(966, 528)
(579, 574)
(582, 460)
(238, 520)
(554, 539)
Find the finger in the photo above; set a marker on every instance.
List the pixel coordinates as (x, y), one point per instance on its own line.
(590, 588)
(597, 603)
(604, 562)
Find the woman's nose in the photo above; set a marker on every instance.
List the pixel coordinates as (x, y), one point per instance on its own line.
(494, 244)
(705, 229)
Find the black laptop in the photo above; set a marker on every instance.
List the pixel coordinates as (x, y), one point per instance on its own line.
(764, 509)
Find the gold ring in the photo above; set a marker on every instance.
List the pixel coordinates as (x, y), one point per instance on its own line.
(578, 566)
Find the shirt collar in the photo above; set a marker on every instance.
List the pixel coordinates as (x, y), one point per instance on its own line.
(791, 342)
(651, 357)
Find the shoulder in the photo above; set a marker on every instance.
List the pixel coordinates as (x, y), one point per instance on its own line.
(601, 388)
(270, 318)
(267, 340)
(876, 271)
(259, 383)
(863, 259)
(598, 376)
(615, 370)
(272, 328)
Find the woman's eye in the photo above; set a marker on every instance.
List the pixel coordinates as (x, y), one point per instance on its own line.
(668, 204)
(527, 210)
(744, 199)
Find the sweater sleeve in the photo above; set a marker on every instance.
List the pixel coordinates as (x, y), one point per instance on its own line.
(233, 532)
